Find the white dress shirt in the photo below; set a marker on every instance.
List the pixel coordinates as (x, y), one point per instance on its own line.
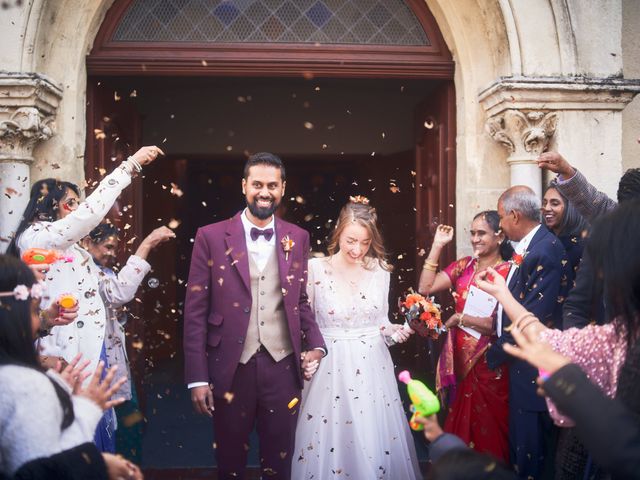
(259, 249)
(519, 249)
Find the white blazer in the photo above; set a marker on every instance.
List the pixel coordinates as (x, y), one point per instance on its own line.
(82, 277)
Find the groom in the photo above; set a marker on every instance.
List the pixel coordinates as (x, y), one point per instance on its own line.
(248, 325)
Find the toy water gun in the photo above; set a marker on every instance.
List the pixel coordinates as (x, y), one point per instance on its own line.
(41, 256)
(423, 401)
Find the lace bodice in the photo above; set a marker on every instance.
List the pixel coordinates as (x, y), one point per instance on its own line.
(339, 303)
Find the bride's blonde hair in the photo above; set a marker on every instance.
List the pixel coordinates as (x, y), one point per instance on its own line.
(358, 210)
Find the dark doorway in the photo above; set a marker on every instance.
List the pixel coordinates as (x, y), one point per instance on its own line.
(337, 138)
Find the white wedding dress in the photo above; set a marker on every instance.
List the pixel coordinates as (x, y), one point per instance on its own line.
(352, 422)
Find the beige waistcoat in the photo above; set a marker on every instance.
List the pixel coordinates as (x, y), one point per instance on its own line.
(268, 322)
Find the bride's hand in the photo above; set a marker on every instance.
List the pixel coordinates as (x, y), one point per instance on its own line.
(399, 333)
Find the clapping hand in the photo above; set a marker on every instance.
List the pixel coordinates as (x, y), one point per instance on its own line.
(101, 391)
(119, 468)
(73, 373)
(444, 235)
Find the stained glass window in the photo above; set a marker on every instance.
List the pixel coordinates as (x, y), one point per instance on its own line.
(360, 22)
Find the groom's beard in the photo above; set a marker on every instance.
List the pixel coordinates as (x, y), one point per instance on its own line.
(262, 213)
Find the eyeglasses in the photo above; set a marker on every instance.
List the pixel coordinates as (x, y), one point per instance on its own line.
(71, 203)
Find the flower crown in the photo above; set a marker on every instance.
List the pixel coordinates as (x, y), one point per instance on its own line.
(359, 199)
(21, 292)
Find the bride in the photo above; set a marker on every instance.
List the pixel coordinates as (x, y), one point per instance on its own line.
(352, 422)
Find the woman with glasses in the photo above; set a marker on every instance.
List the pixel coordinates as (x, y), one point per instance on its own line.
(56, 219)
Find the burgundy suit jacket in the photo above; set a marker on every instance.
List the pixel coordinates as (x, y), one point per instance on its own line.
(218, 301)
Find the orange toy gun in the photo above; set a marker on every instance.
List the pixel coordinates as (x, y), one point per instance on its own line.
(41, 256)
(423, 401)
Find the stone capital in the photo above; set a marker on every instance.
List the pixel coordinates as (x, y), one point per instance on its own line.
(28, 104)
(525, 134)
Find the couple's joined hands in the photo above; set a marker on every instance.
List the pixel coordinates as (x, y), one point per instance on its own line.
(202, 396)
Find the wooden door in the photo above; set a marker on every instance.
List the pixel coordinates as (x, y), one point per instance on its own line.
(114, 130)
(435, 188)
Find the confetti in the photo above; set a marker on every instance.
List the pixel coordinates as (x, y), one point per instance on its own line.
(294, 401)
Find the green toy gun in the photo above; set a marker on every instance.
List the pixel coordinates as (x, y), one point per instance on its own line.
(423, 401)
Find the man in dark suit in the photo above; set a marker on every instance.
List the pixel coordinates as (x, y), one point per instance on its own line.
(538, 280)
(249, 332)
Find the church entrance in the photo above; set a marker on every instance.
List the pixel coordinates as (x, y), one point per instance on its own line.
(379, 129)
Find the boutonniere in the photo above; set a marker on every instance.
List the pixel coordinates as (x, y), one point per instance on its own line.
(517, 259)
(287, 246)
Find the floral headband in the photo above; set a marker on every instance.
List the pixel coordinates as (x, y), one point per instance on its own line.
(21, 292)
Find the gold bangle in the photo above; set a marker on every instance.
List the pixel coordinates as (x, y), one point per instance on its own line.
(534, 320)
(430, 268)
(522, 317)
(431, 264)
(460, 318)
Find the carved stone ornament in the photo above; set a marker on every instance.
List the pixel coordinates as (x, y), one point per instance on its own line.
(20, 133)
(28, 105)
(524, 134)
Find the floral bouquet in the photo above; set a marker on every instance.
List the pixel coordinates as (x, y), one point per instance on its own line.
(422, 314)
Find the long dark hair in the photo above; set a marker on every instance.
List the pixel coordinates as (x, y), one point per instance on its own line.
(493, 220)
(43, 206)
(16, 336)
(572, 223)
(613, 247)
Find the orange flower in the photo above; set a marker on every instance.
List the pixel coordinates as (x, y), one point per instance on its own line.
(425, 317)
(412, 299)
(517, 259)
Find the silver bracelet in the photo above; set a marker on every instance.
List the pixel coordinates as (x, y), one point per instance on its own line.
(135, 164)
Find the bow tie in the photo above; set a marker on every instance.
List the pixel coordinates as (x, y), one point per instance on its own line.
(256, 232)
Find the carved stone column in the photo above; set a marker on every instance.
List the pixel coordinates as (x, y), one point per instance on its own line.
(525, 135)
(28, 104)
(522, 114)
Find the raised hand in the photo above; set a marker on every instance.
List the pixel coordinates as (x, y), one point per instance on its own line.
(444, 235)
(155, 238)
(202, 400)
(556, 163)
(491, 282)
(146, 155)
(101, 391)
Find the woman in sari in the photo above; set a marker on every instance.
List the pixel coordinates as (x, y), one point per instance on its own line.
(477, 396)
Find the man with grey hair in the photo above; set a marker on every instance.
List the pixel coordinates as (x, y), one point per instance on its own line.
(538, 280)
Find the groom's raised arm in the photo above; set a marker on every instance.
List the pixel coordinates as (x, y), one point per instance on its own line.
(196, 311)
